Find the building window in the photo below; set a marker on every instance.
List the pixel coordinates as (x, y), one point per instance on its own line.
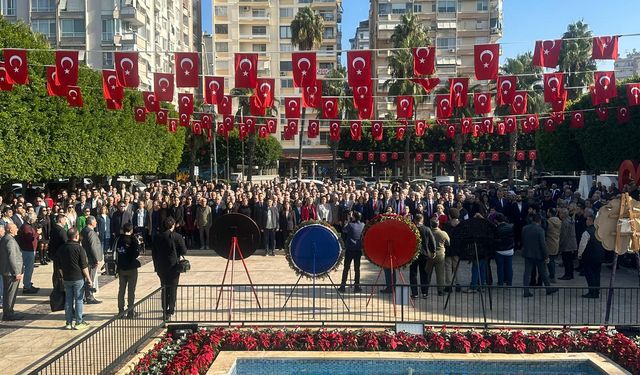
(46, 27)
(222, 29)
(259, 13)
(327, 15)
(325, 65)
(259, 48)
(108, 30)
(305, 1)
(285, 32)
(286, 47)
(286, 83)
(285, 66)
(384, 9)
(399, 8)
(43, 5)
(220, 11)
(446, 43)
(107, 60)
(286, 12)
(222, 65)
(447, 6)
(259, 30)
(417, 8)
(73, 28)
(222, 47)
(9, 7)
(328, 33)
(482, 5)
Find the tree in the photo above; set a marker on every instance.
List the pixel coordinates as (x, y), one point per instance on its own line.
(575, 56)
(44, 139)
(337, 86)
(409, 33)
(306, 33)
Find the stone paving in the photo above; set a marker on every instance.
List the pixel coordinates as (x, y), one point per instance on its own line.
(25, 342)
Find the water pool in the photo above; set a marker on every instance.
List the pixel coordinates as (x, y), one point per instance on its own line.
(264, 366)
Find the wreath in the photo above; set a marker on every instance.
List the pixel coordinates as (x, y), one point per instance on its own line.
(385, 217)
(287, 249)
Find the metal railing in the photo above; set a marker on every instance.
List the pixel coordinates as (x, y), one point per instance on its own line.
(104, 348)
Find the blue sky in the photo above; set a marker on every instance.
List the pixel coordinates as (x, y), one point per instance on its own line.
(527, 21)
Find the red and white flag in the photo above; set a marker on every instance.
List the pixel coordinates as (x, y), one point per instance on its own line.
(482, 102)
(519, 105)
(549, 125)
(355, 128)
(67, 67)
(207, 120)
(151, 104)
(74, 96)
(383, 157)
(184, 120)
(510, 124)
(404, 106)
(605, 48)
(602, 113)
(246, 70)
(421, 127)
(488, 125)
(162, 116)
(330, 108)
(443, 106)
(173, 125)
(16, 66)
(185, 101)
(5, 82)
(506, 89)
(187, 69)
(139, 114)
(553, 86)
(377, 130)
(495, 156)
(228, 122)
(313, 129)
(53, 88)
(633, 94)
(577, 120)
(304, 68)
(127, 69)
(113, 105)
(486, 61)
(547, 53)
(605, 85)
(623, 115)
(424, 61)
(401, 130)
(428, 84)
(458, 88)
(225, 106)
(334, 131)
(163, 87)
(292, 107)
(214, 89)
(272, 125)
(312, 95)
(359, 68)
(533, 154)
(265, 89)
(110, 87)
(466, 125)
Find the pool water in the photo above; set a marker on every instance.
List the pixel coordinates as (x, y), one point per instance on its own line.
(408, 367)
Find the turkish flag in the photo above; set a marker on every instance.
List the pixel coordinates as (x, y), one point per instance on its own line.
(553, 87)
(605, 85)
(228, 122)
(506, 89)
(477, 130)
(526, 127)
(377, 130)
(362, 95)
(430, 157)
(365, 111)
(533, 154)
(185, 101)
(633, 94)
(272, 125)
(162, 116)
(359, 156)
(468, 157)
(421, 126)
(602, 113)
(547, 53)
(347, 154)
(242, 131)
(225, 106)
(404, 106)
(443, 157)
(220, 129)
(312, 95)
(16, 65)
(187, 69)
(265, 89)
(246, 70)
(359, 68)
(127, 69)
(605, 48)
(501, 128)
(519, 105)
(560, 103)
(214, 89)
(419, 157)
(577, 120)
(110, 87)
(207, 120)
(185, 120)
(53, 89)
(495, 156)
(263, 132)
(5, 82)
(486, 60)
(163, 87)
(334, 131)
(596, 98)
(113, 104)
(330, 108)
(509, 124)
(66, 68)
(424, 61)
(304, 69)
(255, 106)
(534, 122)
(557, 117)
(196, 127)
(74, 96)
(401, 130)
(466, 125)
(383, 157)
(482, 155)
(292, 107)
(458, 91)
(487, 125)
(173, 125)
(451, 131)
(313, 129)
(250, 123)
(549, 125)
(355, 127)
(623, 115)
(151, 104)
(139, 114)
(481, 103)
(427, 84)
(443, 106)
(394, 156)
(292, 124)
(520, 155)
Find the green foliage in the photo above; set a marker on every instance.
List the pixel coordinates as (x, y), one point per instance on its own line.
(44, 139)
(575, 56)
(306, 29)
(267, 151)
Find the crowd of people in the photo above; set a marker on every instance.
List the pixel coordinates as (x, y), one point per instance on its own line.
(74, 228)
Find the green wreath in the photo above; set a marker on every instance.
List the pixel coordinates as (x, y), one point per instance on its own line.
(287, 249)
(384, 217)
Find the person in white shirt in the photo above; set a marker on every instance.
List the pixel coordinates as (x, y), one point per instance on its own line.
(324, 210)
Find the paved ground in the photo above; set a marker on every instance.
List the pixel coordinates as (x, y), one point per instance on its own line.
(23, 342)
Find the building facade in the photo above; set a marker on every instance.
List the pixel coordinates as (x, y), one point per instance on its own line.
(361, 38)
(455, 26)
(264, 27)
(98, 27)
(629, 66)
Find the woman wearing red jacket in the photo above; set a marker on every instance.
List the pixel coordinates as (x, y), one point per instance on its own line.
(308, 211)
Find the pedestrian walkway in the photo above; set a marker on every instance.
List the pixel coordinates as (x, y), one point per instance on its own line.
(27, 341)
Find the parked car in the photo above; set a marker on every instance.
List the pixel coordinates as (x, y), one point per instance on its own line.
(164, 182)
(131, 184)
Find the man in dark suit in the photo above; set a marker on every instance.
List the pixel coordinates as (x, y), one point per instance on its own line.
(353, 242)
(372, 207)
(427, 248)
(83, 204)
(518, 217)
(430, 204)
(168, 247)
(57, 239)
(119, 219)
(534, 251)
(591, 253)
(18, 216)
(500, 203)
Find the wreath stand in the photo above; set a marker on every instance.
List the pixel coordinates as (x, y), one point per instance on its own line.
(231, 259)
(313, 252)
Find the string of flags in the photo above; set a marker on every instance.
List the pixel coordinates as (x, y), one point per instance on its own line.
(443, 157)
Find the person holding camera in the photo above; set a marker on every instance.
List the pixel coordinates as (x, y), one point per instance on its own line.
(168, 247)
(127, 251)
(74, 269)
(353, 233)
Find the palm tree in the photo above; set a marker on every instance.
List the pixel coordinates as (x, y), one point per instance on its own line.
(407, 34)
(529, 78)
(306, 33)
(575, 56)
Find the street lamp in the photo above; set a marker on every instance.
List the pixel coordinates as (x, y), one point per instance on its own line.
(372, 164)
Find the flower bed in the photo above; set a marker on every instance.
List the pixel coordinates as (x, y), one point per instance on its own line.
(196, 353)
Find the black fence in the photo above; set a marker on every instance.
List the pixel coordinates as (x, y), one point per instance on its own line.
(104, 348)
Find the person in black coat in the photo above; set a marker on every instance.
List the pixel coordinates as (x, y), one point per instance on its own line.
(353, 242)
(56, 242)
(119, 219)
(168, 247)
(372, 207)
(591, 252)
(517, 215)
(427, 249)
(127, 251)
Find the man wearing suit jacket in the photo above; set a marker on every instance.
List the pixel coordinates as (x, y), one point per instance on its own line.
(168, 247)
(373, 207)
(11, 269)
(57, 239)
(427, 248)
(18, 216)
(271, 224)
(430, 204)
(95, 257)
(534, 251)
(518, 217)
(500, 203)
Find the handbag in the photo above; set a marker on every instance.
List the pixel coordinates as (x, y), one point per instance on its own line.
(184, 265)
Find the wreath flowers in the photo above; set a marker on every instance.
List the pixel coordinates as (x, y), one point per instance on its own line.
(291, 262)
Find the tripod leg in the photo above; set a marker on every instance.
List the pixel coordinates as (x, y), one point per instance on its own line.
(484, 312)
(610, 293)
(339, 294)
(373, 290)
(290, 294)
(224, 277)
(413, 303)
(453, 281)
(248, 276)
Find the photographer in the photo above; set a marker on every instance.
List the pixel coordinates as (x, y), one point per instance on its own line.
(353, 234)
(127, 251)
(168, 247)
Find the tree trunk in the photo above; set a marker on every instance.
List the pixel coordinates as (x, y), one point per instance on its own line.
(458, 140)
(406, 165)
(304, 112)
(334, 161)
(252, 149)
(513, 142)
